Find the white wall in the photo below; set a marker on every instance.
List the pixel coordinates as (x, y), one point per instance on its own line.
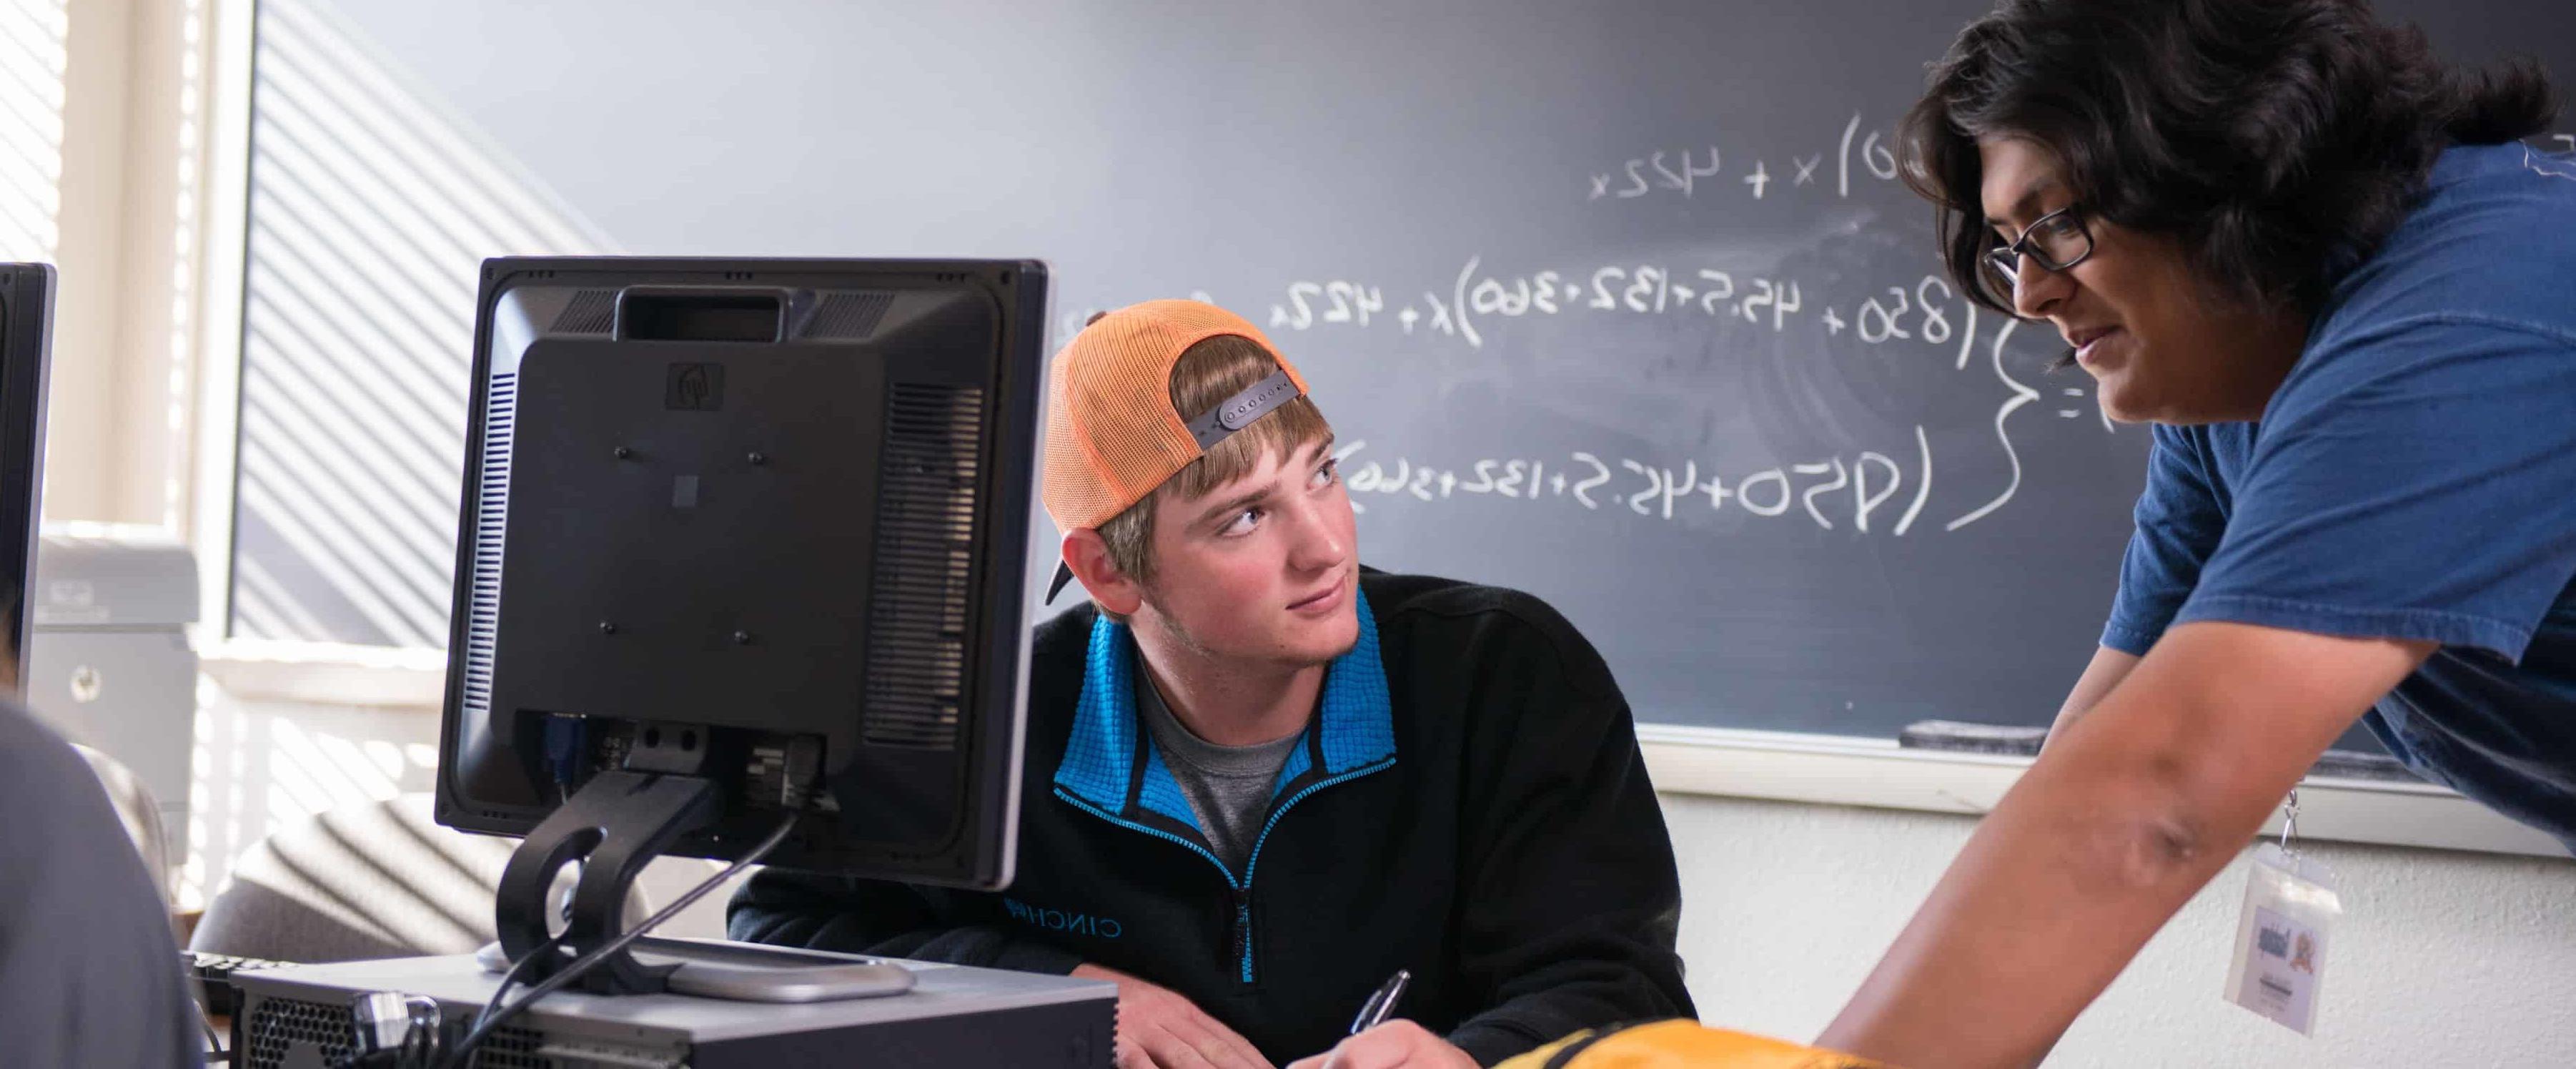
(2442, 958)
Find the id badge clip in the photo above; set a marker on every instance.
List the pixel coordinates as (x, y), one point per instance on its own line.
(2280, 955)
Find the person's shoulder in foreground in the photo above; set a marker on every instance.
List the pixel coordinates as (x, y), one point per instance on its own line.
(2485, 244)
(2468, 294)
(89, 972)
(1473, 635)
(1429, 597)
(1659, 1044)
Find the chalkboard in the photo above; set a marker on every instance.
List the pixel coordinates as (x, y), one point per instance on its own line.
(1615, 302)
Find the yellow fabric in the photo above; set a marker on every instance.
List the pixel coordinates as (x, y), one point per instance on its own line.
(1112, 436)
(1677, 1044)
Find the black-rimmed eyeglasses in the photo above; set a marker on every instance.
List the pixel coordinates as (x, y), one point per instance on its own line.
(2057, 240)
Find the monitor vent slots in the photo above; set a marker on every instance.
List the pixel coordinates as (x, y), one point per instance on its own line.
(491, 518)
(924, 557)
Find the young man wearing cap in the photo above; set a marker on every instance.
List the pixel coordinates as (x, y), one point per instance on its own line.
(1263, 781)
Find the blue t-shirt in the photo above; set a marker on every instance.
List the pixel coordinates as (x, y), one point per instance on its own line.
(2415, 478)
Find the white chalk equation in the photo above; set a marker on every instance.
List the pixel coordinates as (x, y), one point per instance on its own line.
(1868, 491)
(1928, 311)
(1855, 491)
(1693, 171)
(1631, 289)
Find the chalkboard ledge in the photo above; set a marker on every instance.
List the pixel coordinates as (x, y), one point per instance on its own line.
(1839, 770)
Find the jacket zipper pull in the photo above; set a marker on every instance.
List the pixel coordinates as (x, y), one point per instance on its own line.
(1243, 934)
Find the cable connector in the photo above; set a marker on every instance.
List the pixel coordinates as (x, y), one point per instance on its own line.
(567, 744)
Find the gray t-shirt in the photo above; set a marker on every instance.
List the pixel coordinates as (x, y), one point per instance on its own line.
(89, 974)
(1228, 786)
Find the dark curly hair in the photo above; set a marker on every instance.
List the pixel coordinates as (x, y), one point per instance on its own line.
(2279, 140)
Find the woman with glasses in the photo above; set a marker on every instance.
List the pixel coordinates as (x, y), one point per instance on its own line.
(2341, 288)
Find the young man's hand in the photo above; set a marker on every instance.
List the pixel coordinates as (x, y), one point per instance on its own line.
(1160, 1029)
(1393, 1045)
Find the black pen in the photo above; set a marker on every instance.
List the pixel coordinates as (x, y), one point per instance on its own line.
(1381, 1002)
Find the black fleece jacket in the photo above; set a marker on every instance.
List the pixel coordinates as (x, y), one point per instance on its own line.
(1469, 803)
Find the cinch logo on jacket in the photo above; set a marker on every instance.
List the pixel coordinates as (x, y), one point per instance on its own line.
(1056, 920)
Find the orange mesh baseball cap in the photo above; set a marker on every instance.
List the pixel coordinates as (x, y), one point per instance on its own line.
(1112, 434)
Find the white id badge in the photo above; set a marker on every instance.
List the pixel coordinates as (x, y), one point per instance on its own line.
(2280, 959)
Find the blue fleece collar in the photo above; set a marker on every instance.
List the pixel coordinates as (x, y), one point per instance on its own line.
(1356, 722)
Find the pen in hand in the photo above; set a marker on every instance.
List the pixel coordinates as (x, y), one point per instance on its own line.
(1381, 1002)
